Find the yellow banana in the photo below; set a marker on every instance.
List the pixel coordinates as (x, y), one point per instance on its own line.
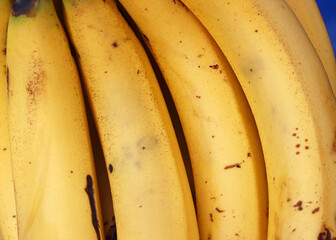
(8, 224)
(310, 17)
(294, 107)
(53, 168)
(150, 191)
(223, 142)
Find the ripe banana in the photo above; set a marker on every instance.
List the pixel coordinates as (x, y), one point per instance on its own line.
(8, 224)
(310, 17)
(53, 168)
(223, 142)
(150, 191)
(294, 107)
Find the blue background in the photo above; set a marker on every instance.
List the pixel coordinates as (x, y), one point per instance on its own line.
(328, 12)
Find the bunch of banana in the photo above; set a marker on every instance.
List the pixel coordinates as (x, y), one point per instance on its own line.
(150, 191)
(223, 142)
(54, 176)
(8, 227)
(252, 82)
(293, 105)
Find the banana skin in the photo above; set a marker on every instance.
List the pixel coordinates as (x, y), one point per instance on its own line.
(55, 182)
(309, 15)
(8, 218)
(149, 187)
(222, 138)
(294, 107)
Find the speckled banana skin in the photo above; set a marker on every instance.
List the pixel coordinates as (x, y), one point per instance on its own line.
(294, 107)
(53, 168)
(222, 138)
(149, 185)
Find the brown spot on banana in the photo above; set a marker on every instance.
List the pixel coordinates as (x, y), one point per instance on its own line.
(334, 143)
(219, 210)
(148, 142)
(315, 210)
(36, 80)
(298, 205)
(215, 66)
(34, 86)
(210, 217)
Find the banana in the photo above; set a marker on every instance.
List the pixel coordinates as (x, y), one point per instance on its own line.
(53, 167)
(310, 17)
(150, 191)
(223, 142)
(8, 223)
(293, 105)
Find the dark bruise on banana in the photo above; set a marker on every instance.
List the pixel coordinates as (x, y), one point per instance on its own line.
(24, 7)
(110, 168)
(7, 78)
(325, 234)
(90, 192)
